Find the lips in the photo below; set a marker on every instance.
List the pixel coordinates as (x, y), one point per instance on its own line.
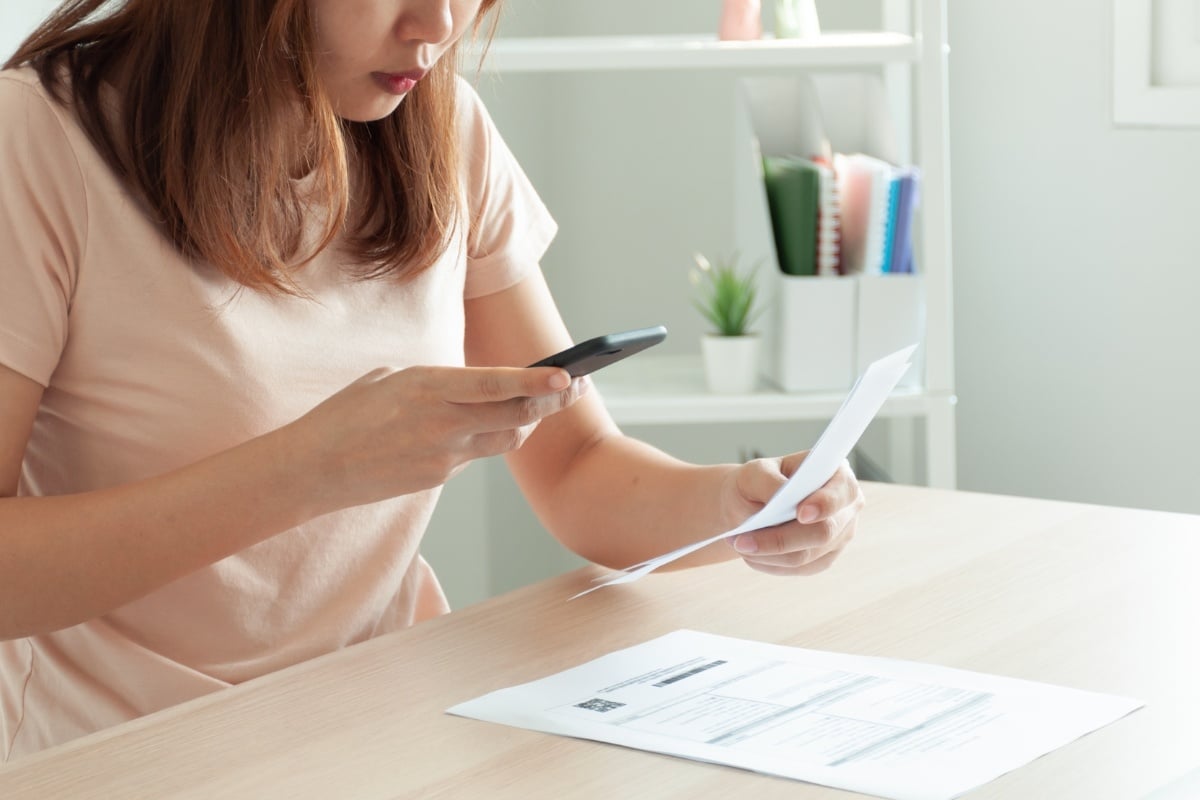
(398, 82)
(413, 75)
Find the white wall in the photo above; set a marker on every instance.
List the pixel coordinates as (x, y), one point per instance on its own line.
(1076, 267)
(18, 18)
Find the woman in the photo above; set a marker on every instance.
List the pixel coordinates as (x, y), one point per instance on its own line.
(269, 277)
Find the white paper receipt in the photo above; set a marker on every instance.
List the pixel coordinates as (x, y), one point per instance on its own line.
(894, 729)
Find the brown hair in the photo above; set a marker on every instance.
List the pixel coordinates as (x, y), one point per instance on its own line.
(207, 131)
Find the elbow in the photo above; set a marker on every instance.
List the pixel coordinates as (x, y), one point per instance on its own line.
(15, 626)
(11, 629)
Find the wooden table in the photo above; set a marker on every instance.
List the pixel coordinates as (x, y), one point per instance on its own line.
(1096, 598)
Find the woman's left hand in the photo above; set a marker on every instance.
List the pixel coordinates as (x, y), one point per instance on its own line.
(824, 524)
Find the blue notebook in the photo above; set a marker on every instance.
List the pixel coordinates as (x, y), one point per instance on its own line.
(907, 196)
(893, 206)
(902, 203)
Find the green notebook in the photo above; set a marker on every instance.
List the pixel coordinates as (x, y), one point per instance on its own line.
(794, 196)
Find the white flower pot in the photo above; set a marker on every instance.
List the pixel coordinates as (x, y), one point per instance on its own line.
(731, 363)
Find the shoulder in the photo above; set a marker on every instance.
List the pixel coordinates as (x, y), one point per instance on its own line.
(483, 149)
(38, 134)
(469, 103)
(20, 90)
(478, 140)
(19, 78)
(474, 123)
(40, 144)
(29, 111)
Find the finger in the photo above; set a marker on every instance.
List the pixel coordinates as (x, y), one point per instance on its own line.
(840, 491)
(760, 479)
(791, 462)
(802, 556)
(834, 531)
(493, 384)
(811, 568)
(787, 538)
(497, 443)
(521, 411)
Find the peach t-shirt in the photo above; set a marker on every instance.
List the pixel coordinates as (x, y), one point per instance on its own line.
(151, 362)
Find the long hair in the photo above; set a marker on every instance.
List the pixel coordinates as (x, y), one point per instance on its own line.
(221, 108)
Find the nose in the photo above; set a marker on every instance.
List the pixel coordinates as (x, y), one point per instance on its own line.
(426, 21)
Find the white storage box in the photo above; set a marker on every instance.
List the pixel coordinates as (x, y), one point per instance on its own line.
(810, 333)
(891, 315)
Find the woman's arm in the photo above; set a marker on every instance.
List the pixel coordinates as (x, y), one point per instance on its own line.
(617, 501)
(67, 559)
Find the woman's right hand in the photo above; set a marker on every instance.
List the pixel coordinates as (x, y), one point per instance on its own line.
(395, 432)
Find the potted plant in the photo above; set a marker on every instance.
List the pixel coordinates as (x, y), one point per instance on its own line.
(726, 297)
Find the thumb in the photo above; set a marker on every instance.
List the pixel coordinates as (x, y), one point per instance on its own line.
(758, 480)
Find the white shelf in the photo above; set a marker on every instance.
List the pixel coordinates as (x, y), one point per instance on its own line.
(670, 390)
(595, 53)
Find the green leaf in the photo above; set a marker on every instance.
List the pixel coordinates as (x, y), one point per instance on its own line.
(725, 295)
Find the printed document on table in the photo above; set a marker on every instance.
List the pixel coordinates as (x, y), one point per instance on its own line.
(835, 443)
(894, 729)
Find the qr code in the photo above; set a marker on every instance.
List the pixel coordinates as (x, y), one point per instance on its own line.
(597, 704)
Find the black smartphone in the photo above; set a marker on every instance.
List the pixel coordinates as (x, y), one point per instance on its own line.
(593, 354)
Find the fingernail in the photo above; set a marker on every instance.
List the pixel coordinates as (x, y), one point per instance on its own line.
(808, 514)
(745, 544)
(560, 379)
(584, 385)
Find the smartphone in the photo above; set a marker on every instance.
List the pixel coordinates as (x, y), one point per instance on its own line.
(593, 354)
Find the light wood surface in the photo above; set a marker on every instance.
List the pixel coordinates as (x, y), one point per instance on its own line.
(1096, 598)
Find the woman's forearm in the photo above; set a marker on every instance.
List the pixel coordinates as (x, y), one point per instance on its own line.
(621, 501)
(69, 558)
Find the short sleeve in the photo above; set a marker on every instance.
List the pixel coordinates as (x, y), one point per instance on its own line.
(512, 227)
(43, 214)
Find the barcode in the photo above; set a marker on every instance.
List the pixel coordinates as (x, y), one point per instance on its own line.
(688, 674)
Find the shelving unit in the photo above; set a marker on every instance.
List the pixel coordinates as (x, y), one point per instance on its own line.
(593, 53)
(670, 390)
(911, 56)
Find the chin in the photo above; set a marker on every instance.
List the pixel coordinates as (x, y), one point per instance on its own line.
(371, 112)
